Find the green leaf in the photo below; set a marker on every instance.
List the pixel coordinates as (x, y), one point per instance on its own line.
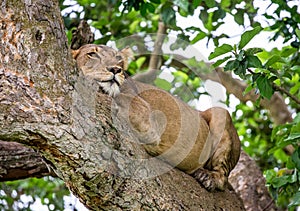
(295, 89)
(248, 36)
(210, 3)
(281, 181)
(143, 9)
(155, 1)
(182, 4)
(199, 36)
(295, 199)
(252, 51)
(295, 132)
(221, 61)
(163, 84)
(140, 61)
(203, 16)
(225, 48)
(296, 158)
(298, 33)
(264, 86)
(231, 65)
(241, 55)
(133, 26)
(181, 76)
(288, 51)
(225, 3)
(239, 17)
(218, 14)
(248, 89)
(240, 71)
(196, 3)
(168, 14)
(150, 7)
(270, 175)
(253, 61)
(274, 59)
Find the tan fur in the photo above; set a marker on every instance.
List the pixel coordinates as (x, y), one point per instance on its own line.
(203, 144)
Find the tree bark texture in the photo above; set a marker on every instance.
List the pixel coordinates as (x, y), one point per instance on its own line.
(47, 105)
(251, 189)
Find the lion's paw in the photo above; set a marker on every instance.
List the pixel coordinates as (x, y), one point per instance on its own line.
(211, 180)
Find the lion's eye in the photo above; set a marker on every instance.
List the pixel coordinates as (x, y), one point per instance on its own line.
(93, 55)
(121, 63)
(118, 57)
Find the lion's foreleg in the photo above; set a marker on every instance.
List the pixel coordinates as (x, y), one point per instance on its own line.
(214, 174)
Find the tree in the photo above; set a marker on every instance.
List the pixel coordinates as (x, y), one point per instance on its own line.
(42, 104)
(50, 101)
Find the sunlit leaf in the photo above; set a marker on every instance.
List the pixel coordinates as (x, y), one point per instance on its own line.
(225, 48)
(248, 36)
(274, 59)
(163, 84)
(198, 37)
(221, 61)
(225, 3)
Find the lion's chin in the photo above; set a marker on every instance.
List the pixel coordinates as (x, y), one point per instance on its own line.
(110, 87)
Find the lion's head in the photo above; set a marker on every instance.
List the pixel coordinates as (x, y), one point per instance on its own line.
(104, 64)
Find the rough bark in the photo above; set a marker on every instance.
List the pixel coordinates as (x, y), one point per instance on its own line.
(46, 105)
(251, 189)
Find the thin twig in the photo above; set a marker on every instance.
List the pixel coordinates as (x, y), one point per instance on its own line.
(280, 89)
(155, 59)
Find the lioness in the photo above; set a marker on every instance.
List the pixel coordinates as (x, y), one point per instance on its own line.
(202, 144)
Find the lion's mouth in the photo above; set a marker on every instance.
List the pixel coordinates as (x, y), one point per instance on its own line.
(114, 80)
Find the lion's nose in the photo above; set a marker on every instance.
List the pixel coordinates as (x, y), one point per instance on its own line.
(114, 70)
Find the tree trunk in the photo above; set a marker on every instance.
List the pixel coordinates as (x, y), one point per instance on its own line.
(46, 104)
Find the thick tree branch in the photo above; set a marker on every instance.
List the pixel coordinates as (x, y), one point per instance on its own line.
(252, 188)
(19, 162)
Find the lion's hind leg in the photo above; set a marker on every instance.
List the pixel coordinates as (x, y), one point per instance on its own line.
(214, 174)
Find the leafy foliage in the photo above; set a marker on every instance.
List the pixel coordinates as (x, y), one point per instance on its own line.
(285, 183)
(21, 195)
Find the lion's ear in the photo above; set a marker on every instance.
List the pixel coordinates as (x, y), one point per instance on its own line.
(127, 54)
(75, 53)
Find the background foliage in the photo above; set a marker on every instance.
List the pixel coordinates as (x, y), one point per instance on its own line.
(265, 70)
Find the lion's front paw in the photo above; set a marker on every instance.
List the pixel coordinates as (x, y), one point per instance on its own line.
(211, 180)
